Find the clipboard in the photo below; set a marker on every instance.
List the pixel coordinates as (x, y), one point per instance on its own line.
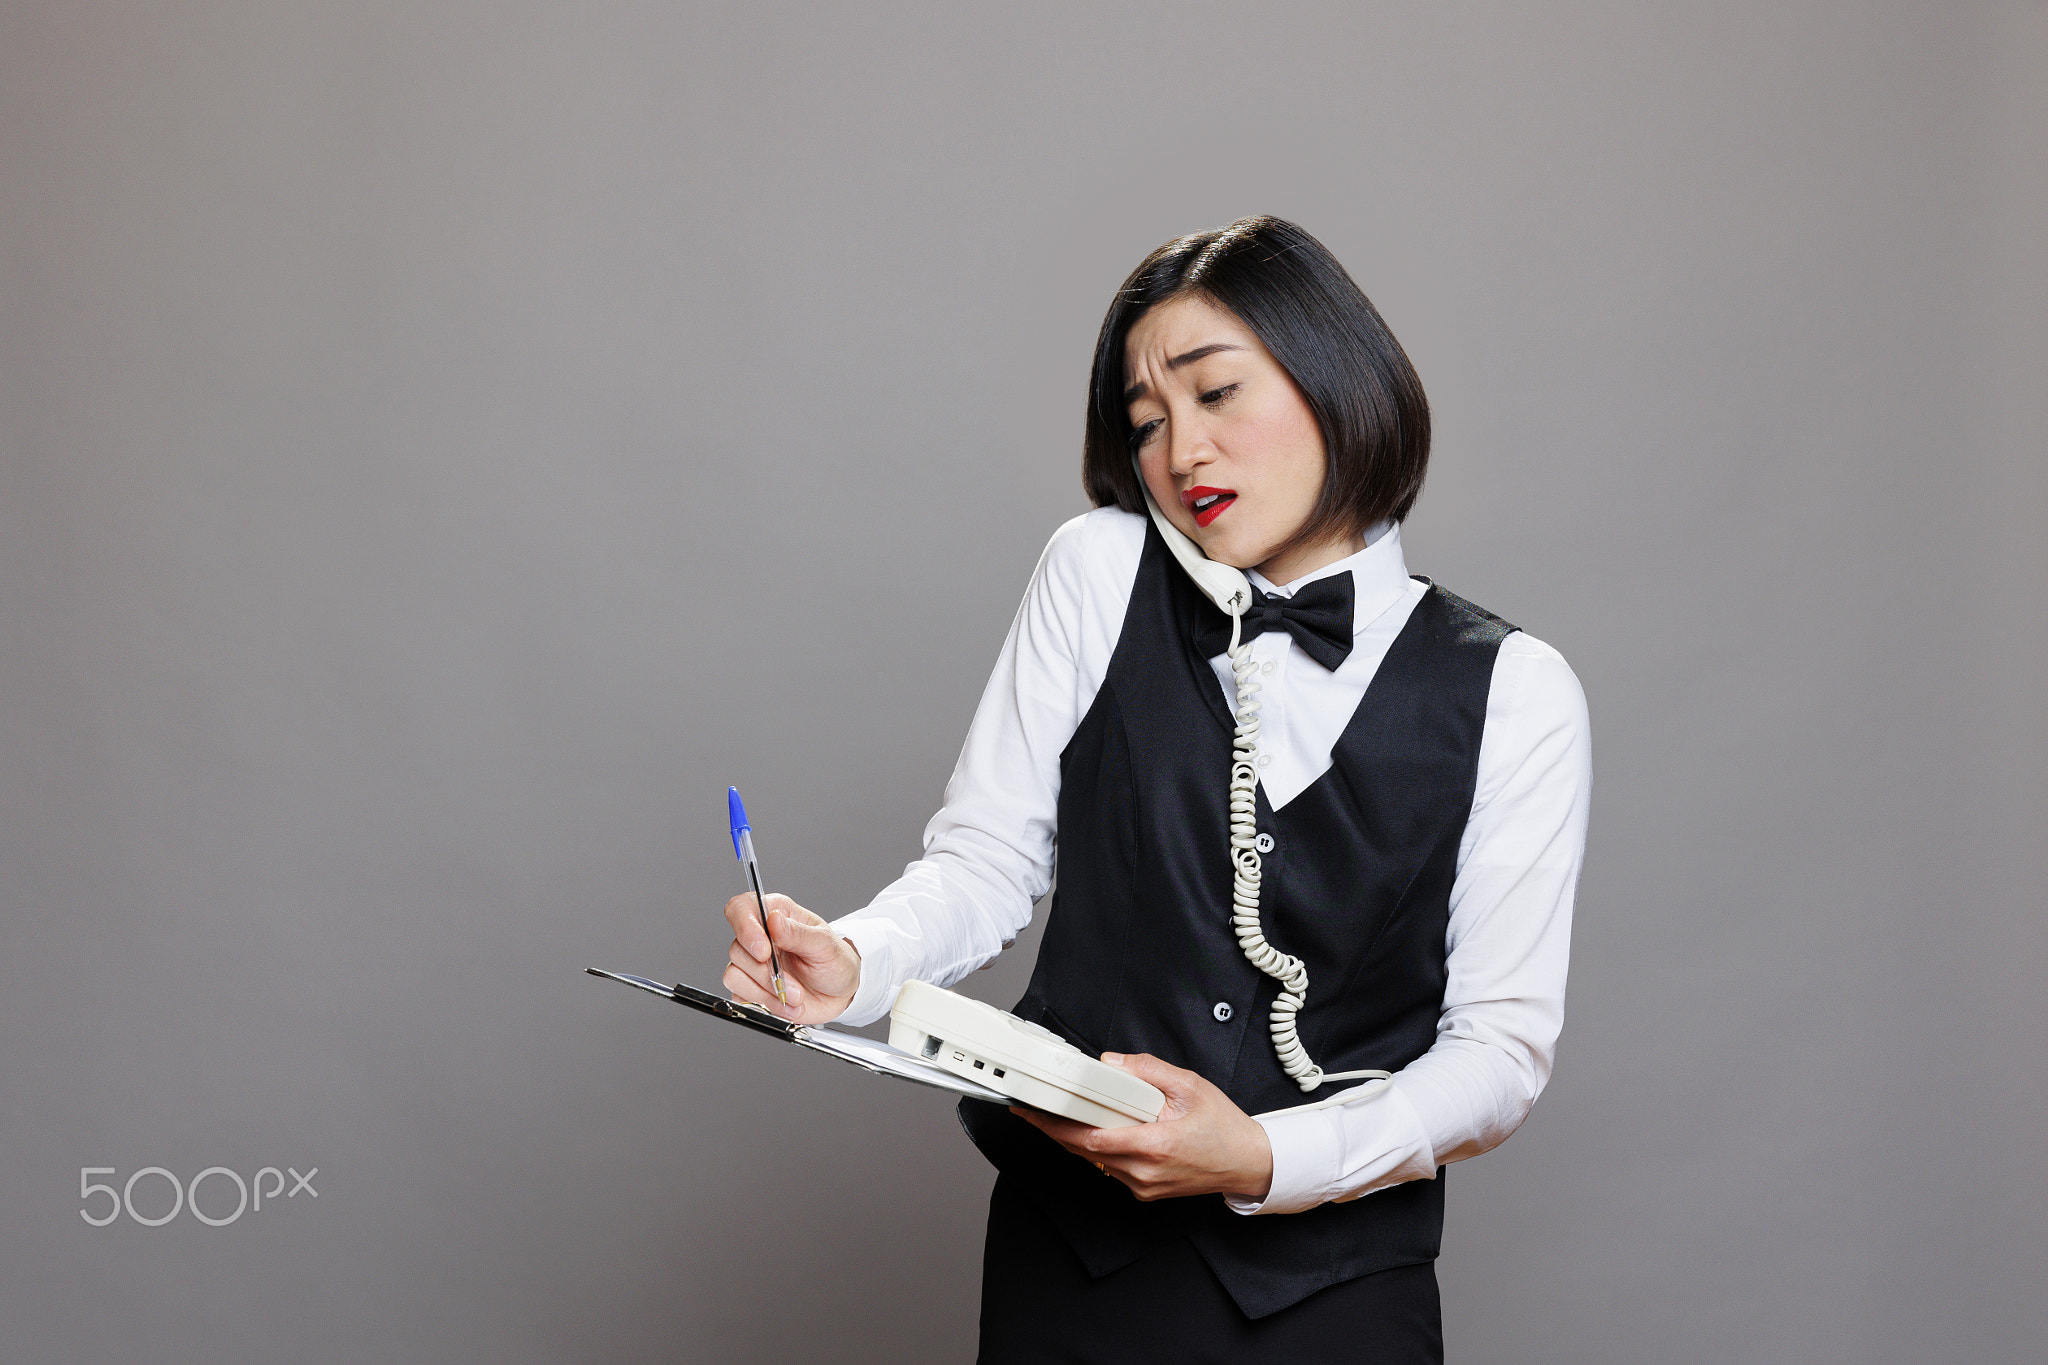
(868, 1054)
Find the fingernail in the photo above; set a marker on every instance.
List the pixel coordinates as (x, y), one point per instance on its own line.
(1113, 1058)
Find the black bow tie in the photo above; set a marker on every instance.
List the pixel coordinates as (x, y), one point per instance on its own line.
(1318, 617)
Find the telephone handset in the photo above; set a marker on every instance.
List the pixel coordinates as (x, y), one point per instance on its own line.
(1227, 587)
(1042, 1069)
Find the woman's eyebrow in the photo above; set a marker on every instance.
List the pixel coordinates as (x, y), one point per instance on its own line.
(1137, 390)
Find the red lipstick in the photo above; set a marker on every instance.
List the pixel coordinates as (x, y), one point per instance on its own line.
(1207, 503)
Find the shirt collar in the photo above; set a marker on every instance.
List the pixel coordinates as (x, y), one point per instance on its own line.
(1379, 576)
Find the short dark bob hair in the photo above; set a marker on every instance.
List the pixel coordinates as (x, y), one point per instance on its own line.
(1294, 296)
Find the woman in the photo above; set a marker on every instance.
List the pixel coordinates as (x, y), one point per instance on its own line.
(1418, 778)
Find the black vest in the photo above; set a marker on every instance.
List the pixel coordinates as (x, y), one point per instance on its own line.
(1139, 953)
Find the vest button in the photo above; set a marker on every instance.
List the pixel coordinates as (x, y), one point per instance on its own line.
(1264, 843)
(1222, 1011)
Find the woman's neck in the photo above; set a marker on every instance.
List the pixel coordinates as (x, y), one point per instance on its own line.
(1302, 560)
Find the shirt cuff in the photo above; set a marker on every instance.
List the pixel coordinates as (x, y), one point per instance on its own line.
(1341, 1153)
(1306, 1149)
(881, 973)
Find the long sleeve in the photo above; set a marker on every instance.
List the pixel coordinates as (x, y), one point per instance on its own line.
(988, 853)
(1508, 943)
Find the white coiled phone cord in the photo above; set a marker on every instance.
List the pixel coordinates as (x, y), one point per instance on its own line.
(1285, 968)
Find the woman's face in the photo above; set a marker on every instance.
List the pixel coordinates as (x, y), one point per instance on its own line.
(1225, 440)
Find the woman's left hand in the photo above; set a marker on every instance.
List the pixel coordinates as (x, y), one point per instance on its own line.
(1202, 1143)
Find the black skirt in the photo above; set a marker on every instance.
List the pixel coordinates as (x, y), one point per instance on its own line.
(1039, 1305)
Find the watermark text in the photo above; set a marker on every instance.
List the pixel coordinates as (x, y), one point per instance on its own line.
(249, 1194)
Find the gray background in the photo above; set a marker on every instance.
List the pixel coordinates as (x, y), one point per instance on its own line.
(446, 444)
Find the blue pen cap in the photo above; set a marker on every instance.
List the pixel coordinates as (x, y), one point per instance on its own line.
(737, 810)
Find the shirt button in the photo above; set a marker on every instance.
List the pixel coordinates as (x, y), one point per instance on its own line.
(1264, 843)
(1266, 667)
(1223, 1011)
(1265, 760)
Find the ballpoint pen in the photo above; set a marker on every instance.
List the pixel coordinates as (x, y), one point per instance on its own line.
(743, 845)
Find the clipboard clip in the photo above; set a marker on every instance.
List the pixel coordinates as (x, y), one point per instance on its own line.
(748, 1016)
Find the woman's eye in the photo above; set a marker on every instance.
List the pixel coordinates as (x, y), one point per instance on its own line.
(1140, 435)
(1215, 396)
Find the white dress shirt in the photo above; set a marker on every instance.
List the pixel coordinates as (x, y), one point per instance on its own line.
(988, 853)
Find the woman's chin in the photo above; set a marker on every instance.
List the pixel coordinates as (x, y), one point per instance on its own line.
(1225, 556)
(1232, 550)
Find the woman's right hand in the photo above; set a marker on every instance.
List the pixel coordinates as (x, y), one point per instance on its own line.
(820, 970)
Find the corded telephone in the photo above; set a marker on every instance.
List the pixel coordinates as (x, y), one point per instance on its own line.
(1024, 1061)
(1037, 1066)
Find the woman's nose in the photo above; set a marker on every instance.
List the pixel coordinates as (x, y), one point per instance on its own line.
(1185, 453)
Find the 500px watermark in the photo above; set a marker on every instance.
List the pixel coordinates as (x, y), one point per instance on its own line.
(186, 1196)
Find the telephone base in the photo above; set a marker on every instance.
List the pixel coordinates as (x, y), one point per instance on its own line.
(1032, 1065)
